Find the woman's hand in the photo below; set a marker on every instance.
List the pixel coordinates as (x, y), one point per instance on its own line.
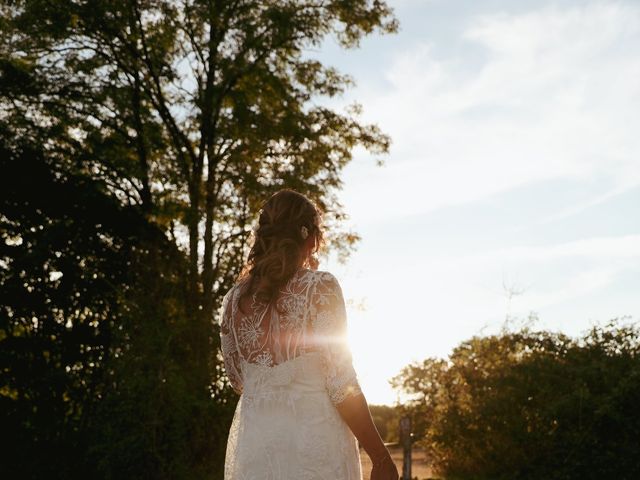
(384, 469)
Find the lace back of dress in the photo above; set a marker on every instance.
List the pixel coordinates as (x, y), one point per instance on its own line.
(311, 318)
(269, 335)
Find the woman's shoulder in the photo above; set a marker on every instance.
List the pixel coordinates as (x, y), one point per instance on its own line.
(324, 280)
(230, 291)
(315, 275)
(238, 284)
(325, 275)
(226, 298)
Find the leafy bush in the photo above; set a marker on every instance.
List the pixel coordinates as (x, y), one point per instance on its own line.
(98, 377)
(532, 404)
(386, 420)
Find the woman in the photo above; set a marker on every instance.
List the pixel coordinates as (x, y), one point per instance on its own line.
(283, 330)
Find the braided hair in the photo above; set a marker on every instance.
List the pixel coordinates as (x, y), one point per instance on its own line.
(285, 238)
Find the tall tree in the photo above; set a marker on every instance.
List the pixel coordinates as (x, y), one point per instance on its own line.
(194, 110)
(93, 332)
(531, 404)
(171, 116)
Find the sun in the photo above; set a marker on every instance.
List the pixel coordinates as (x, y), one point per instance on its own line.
(376, 357)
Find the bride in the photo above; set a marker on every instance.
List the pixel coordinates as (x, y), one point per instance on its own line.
(283, 330)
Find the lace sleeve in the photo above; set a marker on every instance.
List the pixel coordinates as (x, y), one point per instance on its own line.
(229, 347)
(329, 322)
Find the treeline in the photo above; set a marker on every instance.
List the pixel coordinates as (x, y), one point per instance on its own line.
(137, 140)
(531, 404)
(96, 339)
(387, 421)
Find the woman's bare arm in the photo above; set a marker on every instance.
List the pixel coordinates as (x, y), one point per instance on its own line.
(354, 410)
(341, 380)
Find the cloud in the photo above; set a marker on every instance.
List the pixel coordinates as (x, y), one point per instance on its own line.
(454, 296)
(619, 247)
(549, 94)
(545, 99)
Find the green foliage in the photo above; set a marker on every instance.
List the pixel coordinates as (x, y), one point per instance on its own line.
(138, 139)
(194, 110)
(95, 338)
(527, 404)
(386, 420)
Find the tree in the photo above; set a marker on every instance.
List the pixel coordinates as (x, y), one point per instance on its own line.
(193, 110)
(157, 128)
(88, 311)
(527, 404)
(386, 419)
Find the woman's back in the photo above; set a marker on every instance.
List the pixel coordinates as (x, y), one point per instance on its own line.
(292, 364)
(269, 336)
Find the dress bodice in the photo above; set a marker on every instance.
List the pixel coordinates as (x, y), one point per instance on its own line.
(302, 345)
(304, 374)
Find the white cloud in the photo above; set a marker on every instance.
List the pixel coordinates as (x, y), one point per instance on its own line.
(552, 94)
(555, 95)
(427, 307)
(622, 247)
(577, 208)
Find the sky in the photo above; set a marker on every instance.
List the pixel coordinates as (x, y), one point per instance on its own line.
(514, 166)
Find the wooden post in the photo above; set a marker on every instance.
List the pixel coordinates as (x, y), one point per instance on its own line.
(405, 440)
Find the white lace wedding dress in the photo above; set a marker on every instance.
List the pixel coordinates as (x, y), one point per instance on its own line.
(291, 369)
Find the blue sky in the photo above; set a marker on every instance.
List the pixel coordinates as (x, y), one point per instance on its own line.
(514, 162)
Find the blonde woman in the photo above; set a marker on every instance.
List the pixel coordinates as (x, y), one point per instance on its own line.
(283, 329)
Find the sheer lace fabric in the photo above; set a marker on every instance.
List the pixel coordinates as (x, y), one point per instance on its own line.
(291, 367)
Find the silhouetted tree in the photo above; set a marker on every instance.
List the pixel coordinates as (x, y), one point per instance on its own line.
(527, 404)
(138, 138)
